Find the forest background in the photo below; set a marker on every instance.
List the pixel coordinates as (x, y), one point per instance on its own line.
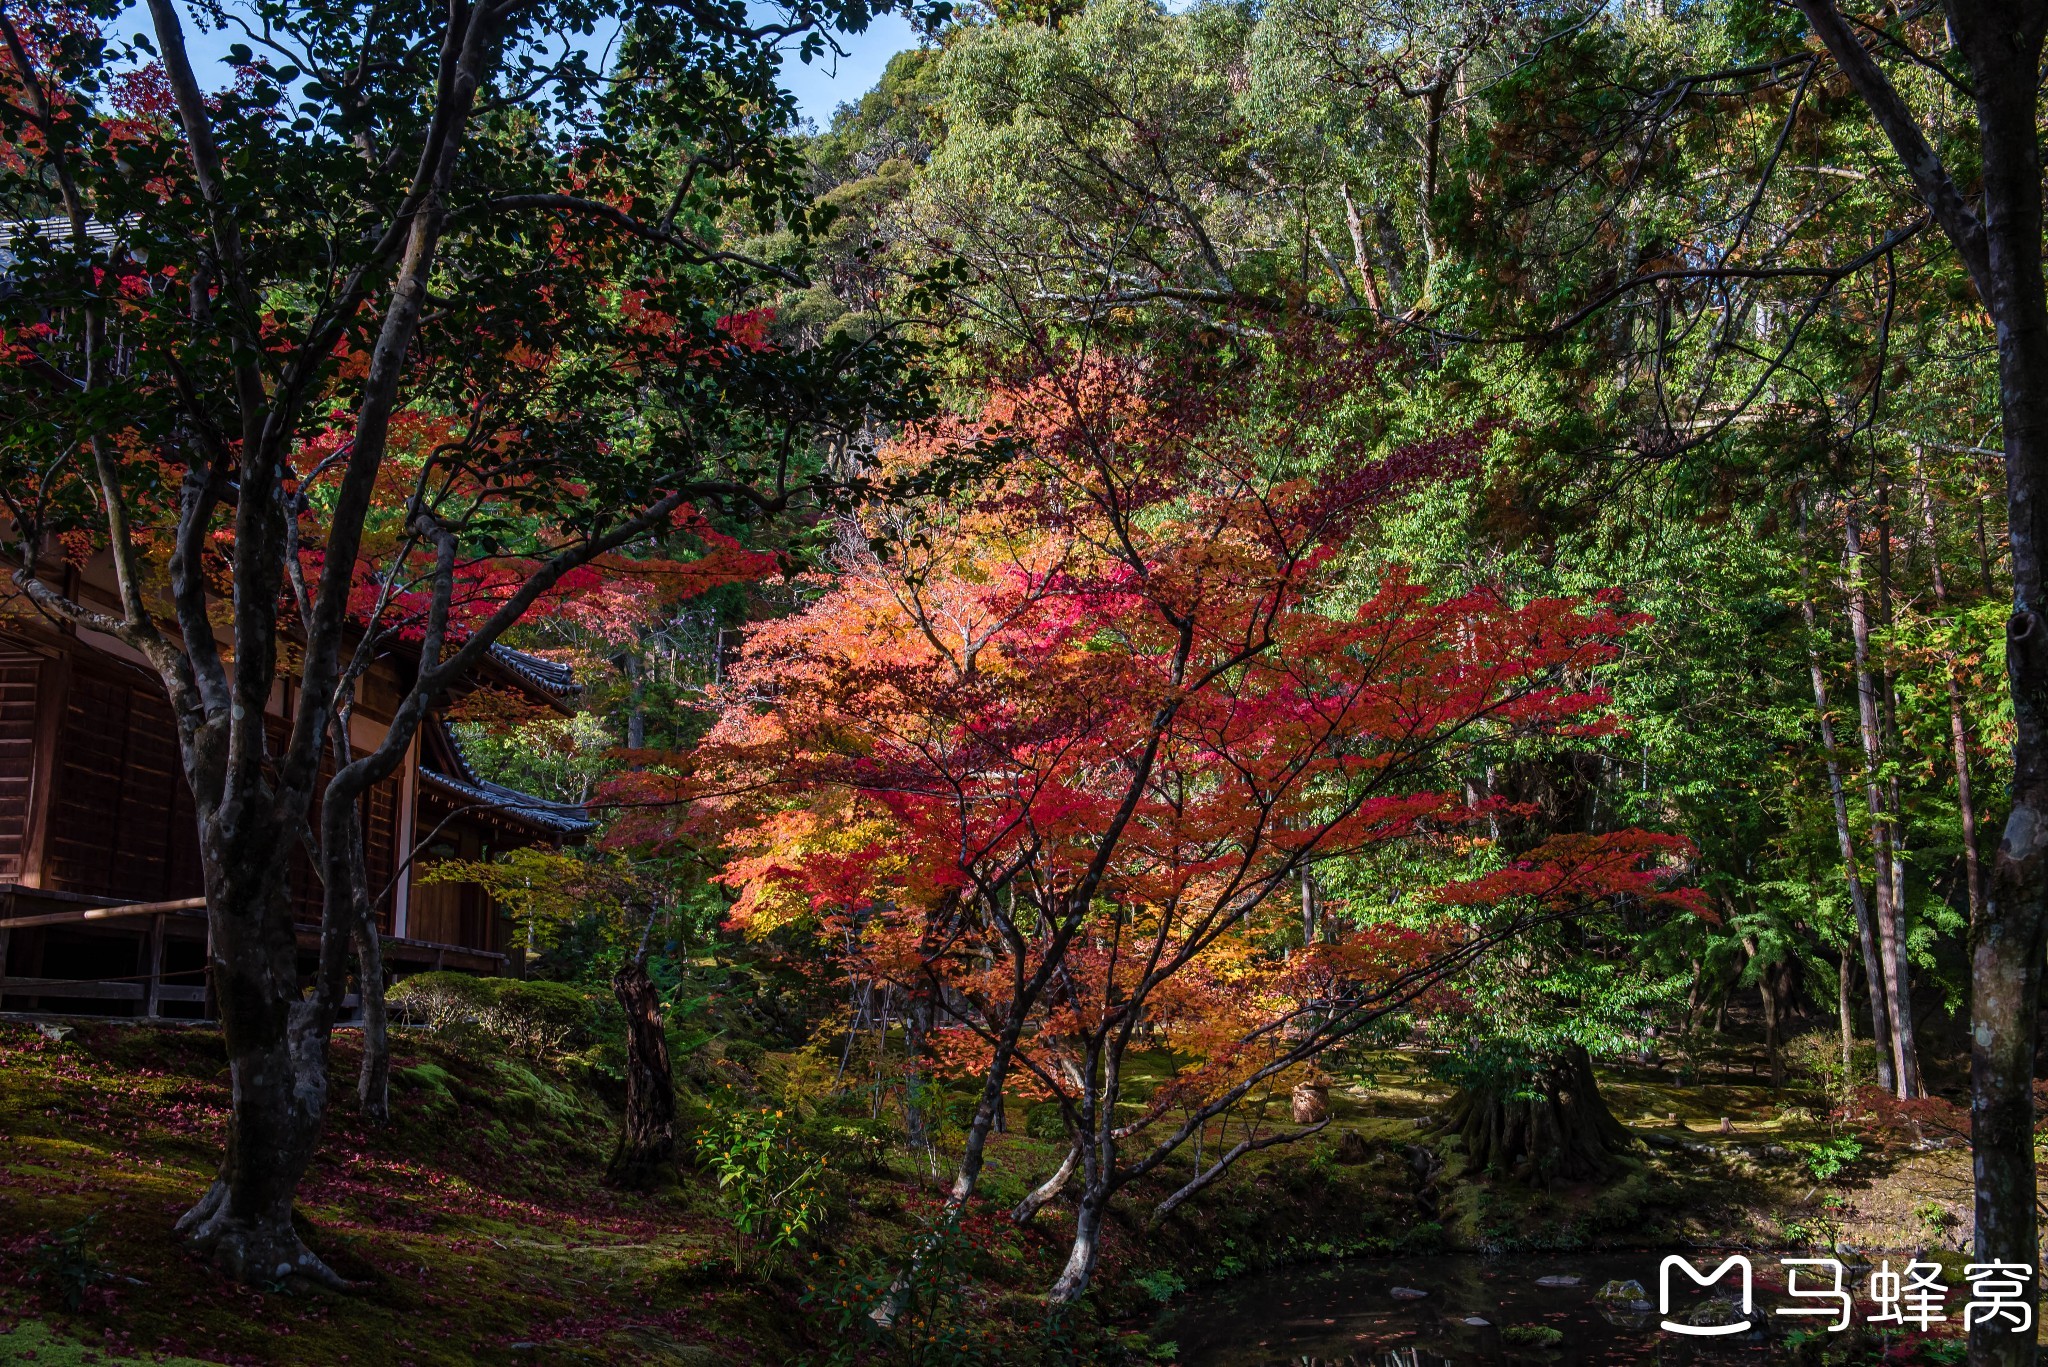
(1660, 272)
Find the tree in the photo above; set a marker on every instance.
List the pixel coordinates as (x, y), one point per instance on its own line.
(375, 351)
(630, 898)
(1095, 725)
(1997, 233)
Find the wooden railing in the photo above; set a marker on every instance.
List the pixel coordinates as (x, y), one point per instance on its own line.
(154, 988)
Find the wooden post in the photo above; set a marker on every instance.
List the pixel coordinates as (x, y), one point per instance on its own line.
(53, 687)
(155, 980)
(4, 936)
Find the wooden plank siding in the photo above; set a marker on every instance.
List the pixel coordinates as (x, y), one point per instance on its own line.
(453, 914)
(19, 673)
(95, 809)
(122, 823)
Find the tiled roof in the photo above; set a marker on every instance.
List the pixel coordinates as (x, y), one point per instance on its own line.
(559, 818)
(56, 229)
(556, 679)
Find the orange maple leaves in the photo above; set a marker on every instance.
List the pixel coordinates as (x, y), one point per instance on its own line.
(1052, 763)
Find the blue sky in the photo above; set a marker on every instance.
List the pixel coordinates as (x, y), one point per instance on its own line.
(820, 87)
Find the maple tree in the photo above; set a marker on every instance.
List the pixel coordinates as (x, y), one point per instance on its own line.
(1047, 769)
(419, 324)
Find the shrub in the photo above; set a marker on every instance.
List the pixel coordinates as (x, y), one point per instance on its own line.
(850, 1141)
(1161, 1284)
(1829, 1158)
(64, 1269)
(772, 1190)
(1046, 1121)
(1817, 1057)
(537, 1020)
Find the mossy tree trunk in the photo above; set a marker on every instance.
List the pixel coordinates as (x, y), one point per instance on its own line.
(647, 1144)
(1553, 1126)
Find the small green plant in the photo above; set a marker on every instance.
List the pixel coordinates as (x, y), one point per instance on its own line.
(64, 1269)
(773, 1192)
(914, 1310)
(1827, 1159)
(1820, 1230)
(1161, 1284)
(1935, 1218)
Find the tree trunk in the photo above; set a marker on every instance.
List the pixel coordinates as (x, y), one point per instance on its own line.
(1958, 721)
(277, 1042)
(1998, 237)
(1028, 1208)
(636, 718)
(1087, 1246)
(1890, 916)
(1866, 931)
(1846, 1011)
(647, 1145)
(1555, 1126)
(346, 896)
(917, 1024)
(1768, 991)
(2004, 47)
(2006, 944)
(373, 1079)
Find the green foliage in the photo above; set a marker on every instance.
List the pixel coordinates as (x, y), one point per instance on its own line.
(773, 1191)
(1046, 1121)
(1161, 1284)
(1531, 1335)
(1828, 1159)
(935, 1320)
(63, 1268)
(539, 1020)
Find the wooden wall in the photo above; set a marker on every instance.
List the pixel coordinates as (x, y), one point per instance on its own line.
(19, 671)
(120, 822)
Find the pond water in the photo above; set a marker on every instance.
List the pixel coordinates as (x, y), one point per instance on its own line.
(1472, 1311)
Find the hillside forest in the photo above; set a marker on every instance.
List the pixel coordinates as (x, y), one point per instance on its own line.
(1267, 634)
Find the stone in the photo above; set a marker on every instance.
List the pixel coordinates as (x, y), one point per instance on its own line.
(1558, 1279)
(1622, 1291)
(1311, 1103)
(1408, 1293)
(1726, 1127)
(59, 1033)
(1476, 1322)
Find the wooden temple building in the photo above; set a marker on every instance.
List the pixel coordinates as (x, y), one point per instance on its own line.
(96, 819)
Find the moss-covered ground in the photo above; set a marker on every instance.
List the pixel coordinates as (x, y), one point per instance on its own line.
(478, 1228)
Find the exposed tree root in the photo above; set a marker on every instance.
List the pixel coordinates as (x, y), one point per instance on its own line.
(254, 1251)
(1556, 1127)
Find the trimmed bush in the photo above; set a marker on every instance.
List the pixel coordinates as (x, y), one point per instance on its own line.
(538, 1020)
